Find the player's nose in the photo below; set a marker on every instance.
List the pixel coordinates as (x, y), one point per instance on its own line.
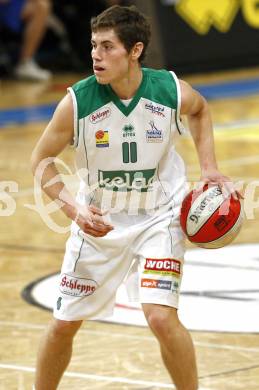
(96, 56)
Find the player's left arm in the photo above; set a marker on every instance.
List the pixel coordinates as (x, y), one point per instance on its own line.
(196, 108)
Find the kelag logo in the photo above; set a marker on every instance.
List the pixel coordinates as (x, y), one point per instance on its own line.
(126, 180)
(201, 15)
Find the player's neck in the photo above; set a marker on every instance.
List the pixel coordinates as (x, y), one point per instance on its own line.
(127, 87)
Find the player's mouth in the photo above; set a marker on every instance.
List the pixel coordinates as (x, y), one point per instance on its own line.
(98, 69)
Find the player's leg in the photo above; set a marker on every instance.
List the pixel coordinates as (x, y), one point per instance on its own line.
(54, 353)
(176, 345)
(35, 15)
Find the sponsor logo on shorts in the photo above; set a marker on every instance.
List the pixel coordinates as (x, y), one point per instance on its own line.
(154, 134)
(102, 139)
(100, 115)
(155, 109)
(175, 287)
(163, 266)
(77, 287)
(59, 303)
(154, 283)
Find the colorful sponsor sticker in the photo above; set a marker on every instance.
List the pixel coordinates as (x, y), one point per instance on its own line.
(162, 267)
(77, 287)
(102, 139)
(100, 115)
(154, 134)
(154, 283)
(155, 109)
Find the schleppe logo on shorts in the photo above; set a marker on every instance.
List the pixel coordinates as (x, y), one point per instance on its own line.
(77, 287)
(163, 266)
(154, 283)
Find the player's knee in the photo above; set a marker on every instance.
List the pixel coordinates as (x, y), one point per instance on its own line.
(163, 322)
(63, 329)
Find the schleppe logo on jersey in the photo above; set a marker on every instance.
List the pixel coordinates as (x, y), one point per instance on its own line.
(126, 180)
(77, 287)
(163, 266)
(100, 115)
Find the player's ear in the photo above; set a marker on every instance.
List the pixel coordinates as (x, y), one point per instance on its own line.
(137, 50)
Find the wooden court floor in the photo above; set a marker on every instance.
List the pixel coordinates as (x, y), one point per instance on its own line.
(109, 356)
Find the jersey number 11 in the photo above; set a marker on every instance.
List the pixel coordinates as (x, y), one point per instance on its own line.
(129, 152)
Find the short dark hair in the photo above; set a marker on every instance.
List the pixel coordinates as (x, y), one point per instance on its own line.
(130, 25)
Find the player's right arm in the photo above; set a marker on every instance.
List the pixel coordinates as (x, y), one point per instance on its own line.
(57, 135)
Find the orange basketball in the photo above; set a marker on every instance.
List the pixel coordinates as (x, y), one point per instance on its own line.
(209, 219)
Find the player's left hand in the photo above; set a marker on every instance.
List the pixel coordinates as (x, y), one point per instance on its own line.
(214, 177)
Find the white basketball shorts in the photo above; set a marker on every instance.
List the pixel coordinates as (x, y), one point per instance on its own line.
(144, 252)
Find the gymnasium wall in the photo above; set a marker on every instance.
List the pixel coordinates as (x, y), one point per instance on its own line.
(205, 35)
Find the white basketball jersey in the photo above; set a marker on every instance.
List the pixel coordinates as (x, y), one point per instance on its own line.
(125, 154)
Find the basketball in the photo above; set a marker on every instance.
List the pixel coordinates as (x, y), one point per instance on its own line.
(209, 219)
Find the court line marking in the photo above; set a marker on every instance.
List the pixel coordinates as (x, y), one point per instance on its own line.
(30, 326)
(105, 378)
(227, 372)
(82, 375)
(30, 248)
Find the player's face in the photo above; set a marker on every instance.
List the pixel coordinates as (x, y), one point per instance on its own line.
(110, 58)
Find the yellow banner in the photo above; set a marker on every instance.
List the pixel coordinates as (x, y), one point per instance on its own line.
(201, 15)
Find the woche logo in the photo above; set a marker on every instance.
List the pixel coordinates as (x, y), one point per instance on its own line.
(166, 265)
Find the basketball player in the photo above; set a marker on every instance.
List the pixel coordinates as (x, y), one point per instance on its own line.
(125, 218)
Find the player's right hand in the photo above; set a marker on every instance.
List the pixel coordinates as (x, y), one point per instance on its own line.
(91, 220)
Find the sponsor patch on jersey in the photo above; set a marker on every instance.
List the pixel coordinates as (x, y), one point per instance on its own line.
(163, 267)
(128, 131)
(154, 283)
(154, 134)
(77, 287)
(126, 180)
(100, 115)
(102, 139)
(155, 109)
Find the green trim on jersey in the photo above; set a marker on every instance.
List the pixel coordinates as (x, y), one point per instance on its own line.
(126, 110)
(162, 88)
(90, 96)
(158, 86)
